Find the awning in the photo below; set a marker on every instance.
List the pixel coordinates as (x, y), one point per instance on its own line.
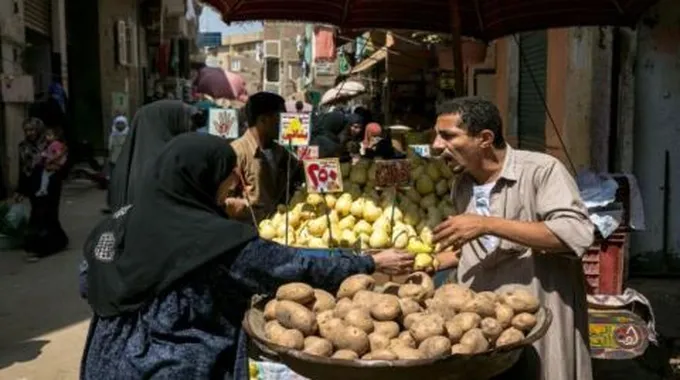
(369, 62)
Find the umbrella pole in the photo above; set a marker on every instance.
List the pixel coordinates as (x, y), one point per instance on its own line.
(457, 47)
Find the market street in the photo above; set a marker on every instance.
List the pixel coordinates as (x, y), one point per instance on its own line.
(43, 320)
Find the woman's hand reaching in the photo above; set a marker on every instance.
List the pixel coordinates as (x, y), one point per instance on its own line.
(393, 262)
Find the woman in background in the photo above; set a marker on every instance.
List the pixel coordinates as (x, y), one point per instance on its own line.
(153, 126)
(329, 137)
(119, 133)
(44, 236)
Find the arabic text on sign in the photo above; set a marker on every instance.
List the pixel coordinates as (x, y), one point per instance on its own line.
(322, 176)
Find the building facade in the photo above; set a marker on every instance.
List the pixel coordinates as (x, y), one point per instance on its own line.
(241, 53)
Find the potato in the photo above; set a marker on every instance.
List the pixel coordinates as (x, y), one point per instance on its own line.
(491, 328)
(391, 288)
(435, 346)
(387, 309)
(467, 321)
(384, 354)
(378, 341)
(509, 336)
(524, 322)
(441, 307)
(413, 291)
(342, 307)
(453, 331)
(475, 339)
(345, 354)
(270, 310)
(491, 296)
(351, 285)
(364, 299)
(329, 329)
(456, 295)
(504, 314)
(290, 338)
(324, 301)
(521, 301)
(407, 339)
(295, 292)
(424, 280)
(458, 349)
(314, 345)
(407, 353)
(481, 306)
(360, 318)
(292, 315)
(351, 338)
(324, 317)
(273, 329)
(410, 319)
(430, 325)
(409, 306)
(389, 329)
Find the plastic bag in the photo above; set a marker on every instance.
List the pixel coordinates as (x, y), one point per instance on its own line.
(17, 215)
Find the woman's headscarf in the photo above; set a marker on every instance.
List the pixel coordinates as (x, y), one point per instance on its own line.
(174, 227)
(153, 126)
(328, 134)
(115, 131)
(30, 150)
(372, 130)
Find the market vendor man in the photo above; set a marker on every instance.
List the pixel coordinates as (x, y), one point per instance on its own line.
(261, 162)
(519, 222)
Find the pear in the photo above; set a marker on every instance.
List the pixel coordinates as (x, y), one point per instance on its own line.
(267, 230)
(317, 243)
(383, 224)
(354, 190)
(345, 168)
(428, 201)
(426, 236)
(347, 223)
(371, 212)
(362, 227)
(371, 172)
(293, 219)
(424, 185)
(432, 170)
(314, 199)
(343, 205)
(358, 175)
(422, 261)
(330, 200)
(357, 208)
(417, 172)
(379, 239)
(445, 169)
(442, 187)
(413, 194)
(400, 237)
(412, 215)
(416, 247)
(348, 238)
(317, 226)
(398, 215)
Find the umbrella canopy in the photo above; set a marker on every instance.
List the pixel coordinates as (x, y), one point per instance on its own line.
(483, 19)
(344, 90)
(221, 84)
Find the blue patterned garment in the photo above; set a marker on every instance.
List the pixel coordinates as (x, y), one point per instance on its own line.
(193, 331)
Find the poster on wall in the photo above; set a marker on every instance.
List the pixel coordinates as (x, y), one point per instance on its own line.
(120, 104)
(295, 129)
(223, 123)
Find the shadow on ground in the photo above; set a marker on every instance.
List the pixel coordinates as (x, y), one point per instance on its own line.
(38, 298)
(21, 352)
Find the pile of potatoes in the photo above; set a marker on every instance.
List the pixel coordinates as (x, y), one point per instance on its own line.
(397, 322)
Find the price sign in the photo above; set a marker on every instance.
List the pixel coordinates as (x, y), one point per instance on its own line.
(295, 129)
(323, 175)
(422, 150)
(308, 152)
(223, 123)
(392, 173)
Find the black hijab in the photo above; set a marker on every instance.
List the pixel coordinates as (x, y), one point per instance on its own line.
(152, 127)
(329, 130)
(174, 227)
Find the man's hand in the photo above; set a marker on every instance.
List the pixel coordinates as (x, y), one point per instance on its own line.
(393, 262)
(458, 230)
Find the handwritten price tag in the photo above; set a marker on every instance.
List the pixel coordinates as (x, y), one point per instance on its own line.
(295, 129)
(392, 173)
(308, 152)
(323, 175)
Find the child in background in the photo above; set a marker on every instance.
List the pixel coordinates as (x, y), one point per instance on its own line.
(119, 132)
(53, 158)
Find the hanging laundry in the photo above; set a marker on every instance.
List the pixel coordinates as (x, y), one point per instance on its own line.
(324, 44)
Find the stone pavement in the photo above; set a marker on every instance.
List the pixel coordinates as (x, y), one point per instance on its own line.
(43, 321)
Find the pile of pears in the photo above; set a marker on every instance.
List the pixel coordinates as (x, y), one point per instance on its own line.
(365, 218)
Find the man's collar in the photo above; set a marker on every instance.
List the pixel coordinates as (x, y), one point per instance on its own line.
(509, 167)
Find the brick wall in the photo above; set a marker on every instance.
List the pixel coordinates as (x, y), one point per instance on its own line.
(116, 78)
(286, 33)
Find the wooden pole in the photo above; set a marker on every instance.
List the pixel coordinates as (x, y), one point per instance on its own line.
(458, 75)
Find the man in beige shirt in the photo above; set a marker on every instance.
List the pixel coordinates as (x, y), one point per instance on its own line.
(261, 162)
(519, 222)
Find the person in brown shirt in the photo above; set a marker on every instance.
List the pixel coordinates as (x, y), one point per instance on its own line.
(519, 222)
(261, 163)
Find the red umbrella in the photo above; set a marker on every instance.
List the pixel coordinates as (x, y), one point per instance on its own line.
(221, 84)
(483, 19)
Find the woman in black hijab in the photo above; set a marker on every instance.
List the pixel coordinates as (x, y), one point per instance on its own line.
(153, 126)
(171, 277)
(329, 134)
